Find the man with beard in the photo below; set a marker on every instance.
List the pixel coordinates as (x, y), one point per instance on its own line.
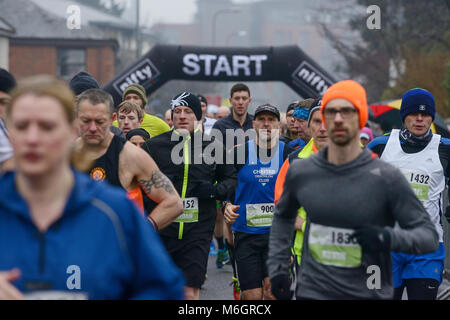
(251, 212)
(352, 202)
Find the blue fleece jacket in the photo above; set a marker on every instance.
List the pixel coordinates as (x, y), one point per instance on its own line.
(100, 248)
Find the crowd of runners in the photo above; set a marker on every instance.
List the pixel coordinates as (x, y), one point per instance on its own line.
(105, 201)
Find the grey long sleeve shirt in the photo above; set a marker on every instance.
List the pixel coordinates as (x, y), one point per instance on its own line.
(339, 200)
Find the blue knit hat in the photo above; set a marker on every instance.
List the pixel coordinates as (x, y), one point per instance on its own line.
(417, 100)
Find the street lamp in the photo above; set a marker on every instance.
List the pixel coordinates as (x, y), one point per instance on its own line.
(214, 20)
(138, 31)
(241, 33)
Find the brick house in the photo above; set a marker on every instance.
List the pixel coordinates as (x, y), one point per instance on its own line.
(43, 44)
(6, 31)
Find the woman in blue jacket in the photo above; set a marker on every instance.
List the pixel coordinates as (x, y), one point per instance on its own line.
(63, 235)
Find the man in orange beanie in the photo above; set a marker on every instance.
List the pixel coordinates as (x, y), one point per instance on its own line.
(351, 91)
(353, 201)
(346, 98)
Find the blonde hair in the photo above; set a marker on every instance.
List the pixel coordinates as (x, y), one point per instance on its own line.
(45, 85)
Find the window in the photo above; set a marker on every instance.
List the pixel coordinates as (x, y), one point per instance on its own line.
(70, 62)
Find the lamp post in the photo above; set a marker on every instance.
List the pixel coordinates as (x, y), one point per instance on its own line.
(138, 31)
(214, 20)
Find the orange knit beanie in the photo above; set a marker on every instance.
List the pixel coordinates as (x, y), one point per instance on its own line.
(351, 91)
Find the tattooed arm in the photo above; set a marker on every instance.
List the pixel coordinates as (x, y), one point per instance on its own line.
(157, 186)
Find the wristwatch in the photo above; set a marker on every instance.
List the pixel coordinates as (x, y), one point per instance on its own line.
(224, 204)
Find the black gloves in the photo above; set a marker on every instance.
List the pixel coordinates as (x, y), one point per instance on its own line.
(204, 191)
(281, 287)
(447, 214)
(373, 239)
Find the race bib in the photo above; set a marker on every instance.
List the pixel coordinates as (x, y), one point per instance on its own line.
(260, 214)
(419, 182)
(190, 213)
(333, 246)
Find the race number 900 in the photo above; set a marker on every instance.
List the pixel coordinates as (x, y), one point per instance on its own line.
(267, 208)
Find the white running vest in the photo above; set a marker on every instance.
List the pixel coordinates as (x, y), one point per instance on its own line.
(424, 172)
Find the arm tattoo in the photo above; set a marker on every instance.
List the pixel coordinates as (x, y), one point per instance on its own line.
(158, 180)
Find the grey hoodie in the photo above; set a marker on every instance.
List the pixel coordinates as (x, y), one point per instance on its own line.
(362, 192)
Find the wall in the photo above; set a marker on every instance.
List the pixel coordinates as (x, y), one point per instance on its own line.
(100, 62)
(27, 60)
(4, 49)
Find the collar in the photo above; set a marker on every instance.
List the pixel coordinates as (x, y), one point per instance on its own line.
(407, 137)
(248, 118)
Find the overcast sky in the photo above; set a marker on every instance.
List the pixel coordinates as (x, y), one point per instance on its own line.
(170, 11)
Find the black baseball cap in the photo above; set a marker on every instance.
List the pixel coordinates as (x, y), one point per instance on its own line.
(267, 108)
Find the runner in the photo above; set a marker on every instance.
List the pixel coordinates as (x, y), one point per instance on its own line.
(150, 123)
(206, 122)
(222, 112)
(251, 212)
(138, 136)
(7, 83)
(423, 157)
(352, 200)
(234, 130)
(291, 133)
(63, 235)
(194, 165)
(83, 81)
(319, 139)
(121, 163)
(365, 136)
(300, 116)
(238, 119)
(168, 118)
(129, 116)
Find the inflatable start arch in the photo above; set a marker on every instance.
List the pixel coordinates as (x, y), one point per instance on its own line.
(288, 64)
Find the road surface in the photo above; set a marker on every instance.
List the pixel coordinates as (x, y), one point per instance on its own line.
(217, 286)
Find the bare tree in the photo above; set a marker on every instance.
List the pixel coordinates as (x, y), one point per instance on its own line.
(378, 57)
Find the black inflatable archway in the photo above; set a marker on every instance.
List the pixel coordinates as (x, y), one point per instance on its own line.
(288, 64)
